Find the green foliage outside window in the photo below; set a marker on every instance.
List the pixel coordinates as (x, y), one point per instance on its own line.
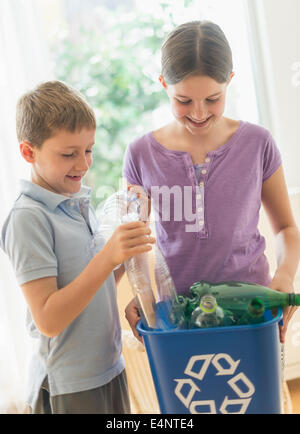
(116, 65)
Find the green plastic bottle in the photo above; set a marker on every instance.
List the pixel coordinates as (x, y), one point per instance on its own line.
(178, 315)
(191, 305)
(254, 313)
(238, 295)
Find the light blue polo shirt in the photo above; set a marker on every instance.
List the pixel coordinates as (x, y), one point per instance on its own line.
(48, 234)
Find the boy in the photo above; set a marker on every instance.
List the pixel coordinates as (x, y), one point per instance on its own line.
(72, 310)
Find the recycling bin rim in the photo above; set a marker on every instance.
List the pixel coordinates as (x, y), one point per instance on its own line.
(226, 329)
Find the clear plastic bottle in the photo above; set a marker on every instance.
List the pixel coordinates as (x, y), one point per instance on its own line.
(123, 207)
(167, 298)
(137, 269)
(207, 314)
(166, 290)
(115, 211)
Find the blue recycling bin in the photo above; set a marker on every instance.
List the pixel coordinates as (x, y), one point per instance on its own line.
(217, 370)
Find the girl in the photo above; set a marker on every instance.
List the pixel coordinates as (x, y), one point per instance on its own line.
(223, 167)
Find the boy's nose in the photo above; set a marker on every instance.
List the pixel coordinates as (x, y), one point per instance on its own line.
(82, 164)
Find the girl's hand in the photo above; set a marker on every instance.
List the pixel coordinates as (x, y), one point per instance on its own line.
(283, 283)
(132, 315)
(128, 240)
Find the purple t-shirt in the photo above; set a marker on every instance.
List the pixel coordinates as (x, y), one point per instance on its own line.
(207, 228)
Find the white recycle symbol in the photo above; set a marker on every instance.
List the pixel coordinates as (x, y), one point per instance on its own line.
(244, 396)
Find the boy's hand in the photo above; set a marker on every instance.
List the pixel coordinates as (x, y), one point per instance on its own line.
(128, 240)
(132, 315)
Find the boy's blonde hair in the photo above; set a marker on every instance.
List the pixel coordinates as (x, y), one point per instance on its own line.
(51, 107)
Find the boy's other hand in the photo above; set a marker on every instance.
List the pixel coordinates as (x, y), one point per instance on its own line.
(133, 317)
(128, 240)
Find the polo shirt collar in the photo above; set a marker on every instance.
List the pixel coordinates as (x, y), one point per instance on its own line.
(50, 199)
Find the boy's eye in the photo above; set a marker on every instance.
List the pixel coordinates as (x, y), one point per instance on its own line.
(88, 151)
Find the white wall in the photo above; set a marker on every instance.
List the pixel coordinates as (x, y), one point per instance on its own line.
(276, 26)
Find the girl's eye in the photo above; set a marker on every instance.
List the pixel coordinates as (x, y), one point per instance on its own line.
(184, 102)
(213, 100)
(88, 151)
(67, 155)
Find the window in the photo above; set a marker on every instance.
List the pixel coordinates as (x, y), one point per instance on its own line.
(110, 51)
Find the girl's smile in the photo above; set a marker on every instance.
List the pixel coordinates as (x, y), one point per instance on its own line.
(199, 124)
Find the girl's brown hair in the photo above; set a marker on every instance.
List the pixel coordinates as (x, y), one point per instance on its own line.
(51, 107)
(196, 48)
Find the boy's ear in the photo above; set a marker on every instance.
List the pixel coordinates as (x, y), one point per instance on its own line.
(27, 151)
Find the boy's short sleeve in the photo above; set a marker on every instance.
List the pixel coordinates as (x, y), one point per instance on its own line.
(131, 167)
(29, 244)
(272, 159)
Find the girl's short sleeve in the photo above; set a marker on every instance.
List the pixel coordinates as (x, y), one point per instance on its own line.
(131, 167)
(272, 159)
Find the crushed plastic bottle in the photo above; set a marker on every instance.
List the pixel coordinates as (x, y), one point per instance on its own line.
(166, 294)
(109, 217)
(137, 269)
(118, 208)
(166, 290)
(123, 207)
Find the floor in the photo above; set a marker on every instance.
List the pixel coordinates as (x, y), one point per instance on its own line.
(294, 389)
(292, 405)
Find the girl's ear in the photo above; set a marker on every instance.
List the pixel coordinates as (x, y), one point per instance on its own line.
(162, 81)
(27, 151)
(231, 77)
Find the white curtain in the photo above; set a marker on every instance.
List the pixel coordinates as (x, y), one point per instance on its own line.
(23, 64)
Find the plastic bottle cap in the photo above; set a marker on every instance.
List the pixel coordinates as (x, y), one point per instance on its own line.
(208, 303)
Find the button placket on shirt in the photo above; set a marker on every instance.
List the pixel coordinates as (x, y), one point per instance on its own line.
(84, 211)
(72, 208)
(200, 206)
(200, 196)
(199, 191)
(78, 208)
